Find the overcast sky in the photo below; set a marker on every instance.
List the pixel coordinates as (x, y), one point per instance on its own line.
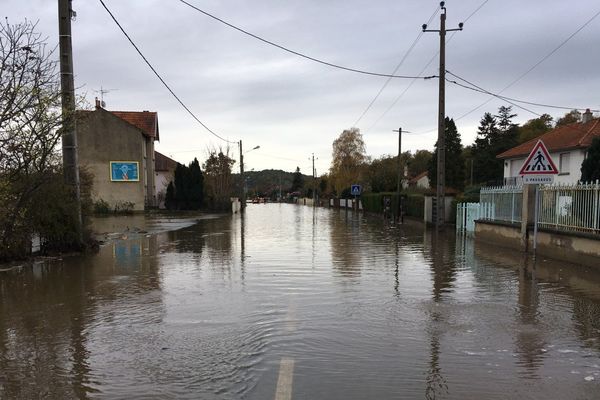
(292, 107)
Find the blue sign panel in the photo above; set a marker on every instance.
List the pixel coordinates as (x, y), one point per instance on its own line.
(124, 171)
(355, 190)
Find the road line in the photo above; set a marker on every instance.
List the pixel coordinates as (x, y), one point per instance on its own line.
(284, 382)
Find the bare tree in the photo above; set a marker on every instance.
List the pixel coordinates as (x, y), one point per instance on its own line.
(30, 123)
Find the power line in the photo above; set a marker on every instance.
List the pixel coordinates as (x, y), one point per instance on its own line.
(544, 58)
(160, 77)
(297, 53)
(410, 49)
(423, 69)
(509, 99)
(482, 90)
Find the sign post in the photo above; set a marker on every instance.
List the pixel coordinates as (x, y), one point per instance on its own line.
(538, 168)
(355, 191)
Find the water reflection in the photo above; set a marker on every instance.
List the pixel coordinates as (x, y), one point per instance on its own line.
(365, 310)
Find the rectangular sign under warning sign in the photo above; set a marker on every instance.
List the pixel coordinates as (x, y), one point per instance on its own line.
(538, 179)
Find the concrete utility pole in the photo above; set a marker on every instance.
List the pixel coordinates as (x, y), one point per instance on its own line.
(242, 180)
(399, 184)
(69, 136)
(441, 142)
(314, 178)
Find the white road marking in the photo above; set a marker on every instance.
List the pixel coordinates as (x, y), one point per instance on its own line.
(285, 380)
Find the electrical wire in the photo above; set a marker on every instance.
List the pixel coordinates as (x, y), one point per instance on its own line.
(544, 58)
(297, 53)
(424, 68)
(479, 89)
(388, 80)
(160, 77)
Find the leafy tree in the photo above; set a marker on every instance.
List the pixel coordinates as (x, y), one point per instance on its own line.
(485, 165)
(419, 162)
(349, 157)
(534, 128)
(170, 202)
(571, 117)
(297, 181)
(218, 178)
(196, 182)
(496, 134)
(590, 168)
(455, 166)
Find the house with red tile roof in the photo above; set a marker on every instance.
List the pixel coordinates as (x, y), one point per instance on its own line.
(567, 145)
(117, 148)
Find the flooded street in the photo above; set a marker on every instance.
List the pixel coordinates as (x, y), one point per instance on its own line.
(295, 302)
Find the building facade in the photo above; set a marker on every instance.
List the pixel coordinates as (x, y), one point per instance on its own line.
(567, 146)
(117, 148)
(164, 172)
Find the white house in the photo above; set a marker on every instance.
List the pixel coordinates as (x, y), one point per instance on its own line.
(567, 145)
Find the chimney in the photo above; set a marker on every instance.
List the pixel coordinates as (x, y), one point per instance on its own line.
(587, 116)
(98, 105)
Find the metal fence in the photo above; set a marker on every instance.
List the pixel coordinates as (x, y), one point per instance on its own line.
(570, 207)
(501, 203)
(466, 215)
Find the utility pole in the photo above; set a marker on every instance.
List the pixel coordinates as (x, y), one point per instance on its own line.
(399, 184)
(242, 181)
(441, 142)
(314, 177)
(67, 85)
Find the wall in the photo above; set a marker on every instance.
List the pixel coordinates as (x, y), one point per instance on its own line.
(103, 137)
(428, 208)
(161, 181)
(572, 247)
(499, 233)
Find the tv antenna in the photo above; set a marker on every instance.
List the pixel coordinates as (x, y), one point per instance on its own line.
(102, 92)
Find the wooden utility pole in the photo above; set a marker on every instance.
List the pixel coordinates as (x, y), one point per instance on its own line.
(69, 135)
(441, 142)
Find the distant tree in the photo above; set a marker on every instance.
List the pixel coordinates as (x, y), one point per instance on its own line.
(496, 134)
(419, 162)
(455, 166)
(485, 164)
(534, 128)
(196, 182)
(182, 187)
(297, 181)
(590, 168)
(170, 202)
(349, 157)
(218, 180)
(571, 117)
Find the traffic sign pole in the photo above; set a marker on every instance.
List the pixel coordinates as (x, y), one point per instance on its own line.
(535, 216)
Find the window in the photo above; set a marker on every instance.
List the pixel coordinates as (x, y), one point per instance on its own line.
(564, 164)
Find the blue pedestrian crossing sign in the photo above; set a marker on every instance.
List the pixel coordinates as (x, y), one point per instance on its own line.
(355, 190)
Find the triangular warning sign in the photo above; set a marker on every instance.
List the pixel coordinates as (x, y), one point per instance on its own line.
(539, 162)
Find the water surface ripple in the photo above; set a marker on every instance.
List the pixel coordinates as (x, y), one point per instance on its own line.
(208, 309)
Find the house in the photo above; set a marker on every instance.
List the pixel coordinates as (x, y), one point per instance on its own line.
(420, 181)
(164, 172)
(117, 148)
(566, 144)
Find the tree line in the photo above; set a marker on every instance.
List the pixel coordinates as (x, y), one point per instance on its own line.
(472, 165)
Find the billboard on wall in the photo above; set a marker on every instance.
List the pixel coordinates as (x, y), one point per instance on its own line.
(124, 171)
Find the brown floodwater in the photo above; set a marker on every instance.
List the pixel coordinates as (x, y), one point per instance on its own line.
(295, 302)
